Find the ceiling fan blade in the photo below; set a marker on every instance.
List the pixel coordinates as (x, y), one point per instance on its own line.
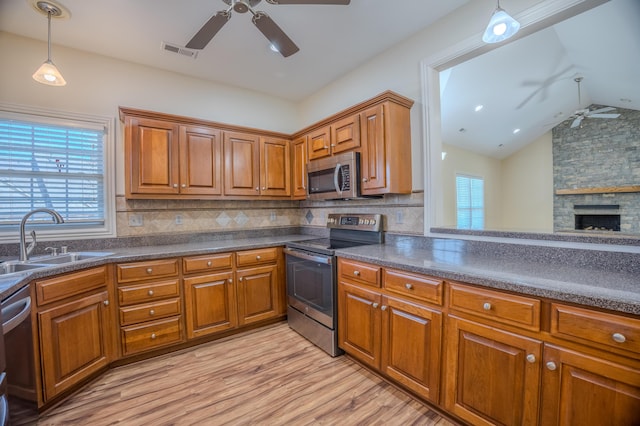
(208, 30)
(598, 111)
(576, 122)
(345, 2)
(274, 34)
(604, 115)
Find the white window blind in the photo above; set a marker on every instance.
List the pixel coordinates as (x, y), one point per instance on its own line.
(470, 202)
(55, 166)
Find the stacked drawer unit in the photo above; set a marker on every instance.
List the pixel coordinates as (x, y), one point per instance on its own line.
(150, 305)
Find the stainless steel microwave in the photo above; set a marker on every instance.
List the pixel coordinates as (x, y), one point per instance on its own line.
(334, 178)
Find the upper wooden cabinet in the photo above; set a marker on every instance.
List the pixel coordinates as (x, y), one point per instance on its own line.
(299, 168)
(275, 167)
(339, 136)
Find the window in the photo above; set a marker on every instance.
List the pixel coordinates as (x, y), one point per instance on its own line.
(58, 161)
(470, 202)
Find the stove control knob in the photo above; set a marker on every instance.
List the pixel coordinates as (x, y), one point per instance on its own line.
(373, 222)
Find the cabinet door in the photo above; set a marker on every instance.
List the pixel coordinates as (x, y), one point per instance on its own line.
(258, 297)
(241, 164)
(581, 390)
(319, 143)
(359, 322)
(210, 302)
(200, 161)
(275, 169)
(74, 342)
(374, 157)
(152, 150)
(492, 376)
(345, 134)
(299, 168)
(411, 346)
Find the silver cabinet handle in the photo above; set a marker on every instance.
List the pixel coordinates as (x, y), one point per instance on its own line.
(175, 185)
(383, 307)
(240, 279)
(184, 185)
(152, 312)
(408, 286)
(365, 180)
(486, 306)
(551, 365)
(618, 337)
(153, 336)
(209, 263)
(230, 280)
(149, 270)
(257, 188)
(105, 303)
(264, 187)
(375, 306)
(531, 358)
(258, 258)
(150, 292)
(356, 273)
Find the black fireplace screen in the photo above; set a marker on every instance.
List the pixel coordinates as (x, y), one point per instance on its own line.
(599, 222)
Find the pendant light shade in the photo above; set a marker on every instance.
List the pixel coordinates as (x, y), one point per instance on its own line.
(48, 73)
(501, 26)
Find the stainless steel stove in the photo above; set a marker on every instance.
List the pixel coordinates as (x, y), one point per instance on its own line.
(311, 276)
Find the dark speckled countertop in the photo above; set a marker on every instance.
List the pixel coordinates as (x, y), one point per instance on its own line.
(602, 279)
(616, 288)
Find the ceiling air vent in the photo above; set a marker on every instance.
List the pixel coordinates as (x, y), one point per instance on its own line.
(174, 48)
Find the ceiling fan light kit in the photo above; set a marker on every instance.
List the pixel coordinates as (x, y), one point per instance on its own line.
(501, 26)
(48, 73)
(279, 41)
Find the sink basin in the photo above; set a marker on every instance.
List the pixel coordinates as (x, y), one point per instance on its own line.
(69, 257)
(12, 267)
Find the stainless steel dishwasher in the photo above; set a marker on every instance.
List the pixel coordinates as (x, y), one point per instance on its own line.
(18, 340)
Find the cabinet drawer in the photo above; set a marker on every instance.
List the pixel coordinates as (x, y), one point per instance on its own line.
(588, 326)
(361, 272)
(149, 335)
(149, 311)
(67, 285)
(256, 257)
(128, 272)
(417, 286)
(149, 292)
(207, 263)
(504, 308)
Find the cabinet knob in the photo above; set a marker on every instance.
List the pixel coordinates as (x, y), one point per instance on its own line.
(383, 307)
(209, 263)
(264, 187)
(184, 185)
(258, 257)
(149, 270)
(551, 365)
(150, 292)
(333, 144)
(257, 188)
(105, 303)
(531, 358)
(408, 286)
(375, 306)
(618, 337)
(230, 280)
(365, 180)
(240, 279)
(486, 306)
(356, 273)
(152, 312)
(175, 185)
(153, 336)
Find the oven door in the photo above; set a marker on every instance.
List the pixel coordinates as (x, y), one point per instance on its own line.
(311, 285)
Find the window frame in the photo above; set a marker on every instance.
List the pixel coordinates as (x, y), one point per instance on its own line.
(46, 116)
(471, 209)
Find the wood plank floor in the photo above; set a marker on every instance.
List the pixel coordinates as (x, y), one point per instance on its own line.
(269, 376)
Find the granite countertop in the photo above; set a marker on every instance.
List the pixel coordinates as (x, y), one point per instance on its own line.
(588, 285)
(608, 289)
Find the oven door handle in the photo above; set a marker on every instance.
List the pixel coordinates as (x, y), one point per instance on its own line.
(327, 260)
(22, 314)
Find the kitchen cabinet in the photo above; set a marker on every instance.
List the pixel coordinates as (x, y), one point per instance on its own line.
(260, 285)
(299, 168)
(256, 166)
(319, 143)
(75, 323)
(339, 136)
(209, 293)
(164, 158)
(150, 305)
(399, 337)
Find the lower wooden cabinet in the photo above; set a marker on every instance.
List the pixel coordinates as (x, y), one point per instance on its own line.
(491, 376)
(258, 294)
(210, 302)
(75, 332)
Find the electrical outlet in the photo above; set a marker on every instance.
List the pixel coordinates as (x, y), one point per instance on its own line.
(178, 219)
(399, 217)
(272, 217)
(136, 220)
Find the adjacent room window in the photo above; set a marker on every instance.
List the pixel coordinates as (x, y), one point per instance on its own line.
(470, 202)
(58, 162)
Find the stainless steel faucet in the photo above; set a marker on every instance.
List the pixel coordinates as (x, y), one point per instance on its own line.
(24, 250)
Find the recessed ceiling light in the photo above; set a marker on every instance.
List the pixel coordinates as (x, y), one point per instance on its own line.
(462, 130)
(444, 154)
(479, 107)
(515, 131)
(625, 100)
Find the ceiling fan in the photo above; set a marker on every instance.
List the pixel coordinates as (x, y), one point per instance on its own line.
(581, 114)
(278, 39)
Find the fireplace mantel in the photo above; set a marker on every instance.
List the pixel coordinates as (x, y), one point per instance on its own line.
(598, 190)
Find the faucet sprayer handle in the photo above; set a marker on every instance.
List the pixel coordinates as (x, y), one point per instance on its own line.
(32, 244)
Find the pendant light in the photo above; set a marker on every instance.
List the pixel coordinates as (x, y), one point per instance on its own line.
(48, 73)
(501, 26)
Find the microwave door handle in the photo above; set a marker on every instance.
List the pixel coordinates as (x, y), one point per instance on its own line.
(336, 173)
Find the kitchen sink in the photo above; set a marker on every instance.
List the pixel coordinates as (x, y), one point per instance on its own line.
(12, 267)
(69, 257)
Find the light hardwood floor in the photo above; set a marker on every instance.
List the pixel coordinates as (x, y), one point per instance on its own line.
(269, 376)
